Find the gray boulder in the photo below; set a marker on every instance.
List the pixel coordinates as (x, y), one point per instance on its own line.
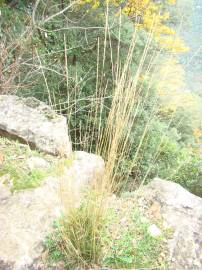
(34, 123)
(26, 217)
(85, 169)
(181, 211)
(37, 163)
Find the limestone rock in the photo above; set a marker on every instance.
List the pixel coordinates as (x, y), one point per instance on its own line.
(181, 211)
(26, 217)
(4, 190)
(34, 123)
(86, 168)
(37, 163)
(154, 231)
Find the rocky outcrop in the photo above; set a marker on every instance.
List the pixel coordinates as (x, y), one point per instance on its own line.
(26, 217)
(182, 212)
(85, 169)
(34, 123)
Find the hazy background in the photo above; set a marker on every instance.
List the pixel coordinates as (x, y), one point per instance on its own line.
(192, 61)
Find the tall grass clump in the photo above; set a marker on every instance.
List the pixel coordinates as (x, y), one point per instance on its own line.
(82, 228)
(77, 240)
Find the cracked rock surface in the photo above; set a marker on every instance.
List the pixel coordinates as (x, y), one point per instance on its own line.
(182, 212)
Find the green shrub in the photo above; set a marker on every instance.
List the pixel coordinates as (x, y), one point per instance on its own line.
(189, 175)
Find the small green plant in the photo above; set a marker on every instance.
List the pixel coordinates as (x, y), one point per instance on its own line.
(53, 243)
(31, 179)
(129, 244)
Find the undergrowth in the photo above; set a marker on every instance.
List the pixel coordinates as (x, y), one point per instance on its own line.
(16, 173)
(14, 166)
(121, 239)
(128, 242)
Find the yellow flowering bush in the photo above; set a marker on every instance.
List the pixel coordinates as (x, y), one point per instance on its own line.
(148, 15)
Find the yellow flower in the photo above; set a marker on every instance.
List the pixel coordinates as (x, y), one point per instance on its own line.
(172, 2)
(150, 16)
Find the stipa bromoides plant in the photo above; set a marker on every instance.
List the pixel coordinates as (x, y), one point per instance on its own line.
(81, 232)
(77, 239)
(81, 228)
